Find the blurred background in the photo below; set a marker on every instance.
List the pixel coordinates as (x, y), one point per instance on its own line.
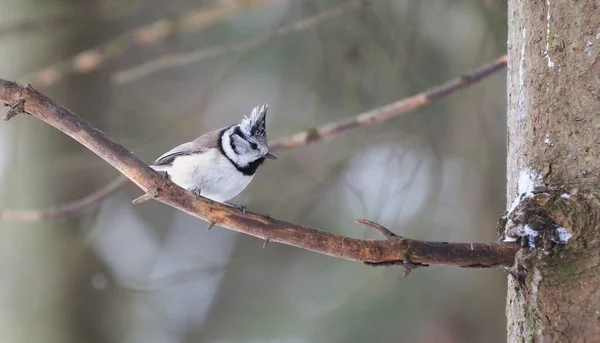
(154, 74)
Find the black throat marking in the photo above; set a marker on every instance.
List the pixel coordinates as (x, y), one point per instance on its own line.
(248, 170)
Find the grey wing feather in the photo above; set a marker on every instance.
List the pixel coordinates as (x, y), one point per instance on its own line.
(201, 144)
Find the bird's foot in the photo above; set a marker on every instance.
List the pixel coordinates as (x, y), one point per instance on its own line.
(242, 208)
(164, 174)
(196, 191)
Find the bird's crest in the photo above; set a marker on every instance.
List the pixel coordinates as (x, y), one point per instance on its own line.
(255, 124)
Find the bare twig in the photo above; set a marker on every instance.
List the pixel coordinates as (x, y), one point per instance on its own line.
(177, 60)
(390, 111)
(315, 134)
(406, 263)
(69, 209)
(13, 111)
(383, 230)
(144, 198)
(91, 59)
(386, 251)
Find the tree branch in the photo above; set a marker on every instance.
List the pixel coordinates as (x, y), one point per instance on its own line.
(299, 139)
(392, 110)
(91, 59)
(90, 201)
(379, 252)
(177, 60)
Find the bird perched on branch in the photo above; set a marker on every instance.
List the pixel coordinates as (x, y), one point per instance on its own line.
(219, 164)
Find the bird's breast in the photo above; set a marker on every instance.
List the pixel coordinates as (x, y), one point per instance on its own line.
(211, 172)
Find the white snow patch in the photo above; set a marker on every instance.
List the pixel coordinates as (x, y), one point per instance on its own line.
(588, 49)
(550, 63)
(518, 199)
(522, 79)
(525, 232)
(514, 204)
(565, 196)
(598, 35)
(531, 235)
(563, 235)
(527, 181)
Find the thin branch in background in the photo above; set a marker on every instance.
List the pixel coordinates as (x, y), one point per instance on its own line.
(50, 21)
(178, 60)
(302, 138)
(67, 16)
(91, 59)
(392, 110)
(66, 210)
(390, 251)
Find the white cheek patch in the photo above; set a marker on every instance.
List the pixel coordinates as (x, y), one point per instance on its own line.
(226, 144)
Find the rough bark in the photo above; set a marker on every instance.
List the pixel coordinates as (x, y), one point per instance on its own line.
(554, 139)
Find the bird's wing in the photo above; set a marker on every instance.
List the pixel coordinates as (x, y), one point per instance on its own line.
(200, 145)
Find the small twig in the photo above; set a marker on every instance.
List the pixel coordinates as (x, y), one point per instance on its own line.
(14, 110)
(91, 59)
(182, 59)
(265, 243)
(383, 230)
(210, 226)
(142, 198)
(405, 262)
(385, 113)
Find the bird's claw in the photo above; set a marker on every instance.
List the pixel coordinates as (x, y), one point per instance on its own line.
(164, 174)
(242, 208)
(196, 191)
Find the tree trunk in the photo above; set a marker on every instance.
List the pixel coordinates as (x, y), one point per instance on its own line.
(554, 139)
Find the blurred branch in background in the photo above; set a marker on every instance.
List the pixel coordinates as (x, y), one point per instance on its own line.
(65, 17)
(392, 110)
(91, 59)
(178, 60)
(302, 138)
(70, 209)
(394, 250)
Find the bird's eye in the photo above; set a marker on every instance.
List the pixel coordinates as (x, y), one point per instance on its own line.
(253, 146)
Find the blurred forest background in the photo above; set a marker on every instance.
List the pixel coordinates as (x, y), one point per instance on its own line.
(148, 273)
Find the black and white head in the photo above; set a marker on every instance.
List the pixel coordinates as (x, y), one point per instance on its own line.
(245, 144)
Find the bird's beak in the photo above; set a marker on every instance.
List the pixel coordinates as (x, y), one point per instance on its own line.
(270, 156)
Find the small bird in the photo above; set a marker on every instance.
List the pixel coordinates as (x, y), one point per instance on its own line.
(219, 164)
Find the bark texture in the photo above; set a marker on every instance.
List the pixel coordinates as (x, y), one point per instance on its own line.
(554, 140)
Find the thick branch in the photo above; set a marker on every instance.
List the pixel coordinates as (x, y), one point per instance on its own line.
(388, 251)
(305, 137)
